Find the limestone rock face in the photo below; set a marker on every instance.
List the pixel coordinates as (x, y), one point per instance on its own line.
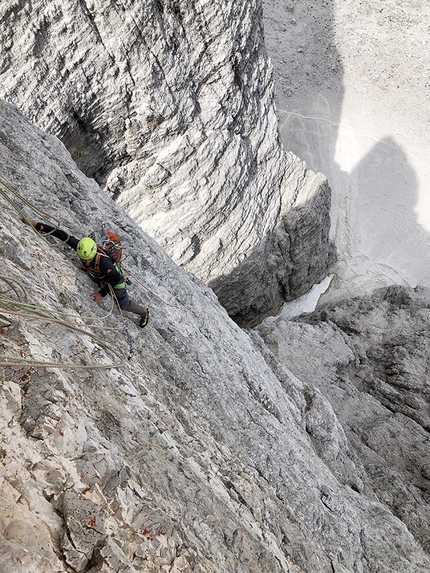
(170, 107)
(203, 452)
(370, 357)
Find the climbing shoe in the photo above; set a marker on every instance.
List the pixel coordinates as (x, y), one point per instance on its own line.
(144, 319)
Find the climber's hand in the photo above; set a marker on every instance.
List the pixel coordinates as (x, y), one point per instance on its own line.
(29, 221)
(97, 297)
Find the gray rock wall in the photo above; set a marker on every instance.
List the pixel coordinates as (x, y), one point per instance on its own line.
(203, 453)
(170, 107)
(370, 357)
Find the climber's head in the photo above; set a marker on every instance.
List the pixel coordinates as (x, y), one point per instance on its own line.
(86, 249)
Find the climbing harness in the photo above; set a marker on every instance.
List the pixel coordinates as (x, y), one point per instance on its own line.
(93, 270)
(111, 246)
(108, 245)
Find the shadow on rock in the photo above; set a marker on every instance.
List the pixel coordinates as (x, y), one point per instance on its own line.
(284, 265)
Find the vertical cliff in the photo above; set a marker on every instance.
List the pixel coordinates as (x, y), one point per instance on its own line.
(170, 107)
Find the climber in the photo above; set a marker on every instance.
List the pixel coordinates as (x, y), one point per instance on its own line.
(99, 266)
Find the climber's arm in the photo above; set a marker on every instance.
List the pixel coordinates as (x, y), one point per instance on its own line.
(55, 232)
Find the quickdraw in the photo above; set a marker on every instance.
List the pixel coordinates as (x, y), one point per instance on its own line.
(130, 343)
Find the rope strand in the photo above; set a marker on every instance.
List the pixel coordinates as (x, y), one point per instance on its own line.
(25, 201)
(148, 289)
(35, 312)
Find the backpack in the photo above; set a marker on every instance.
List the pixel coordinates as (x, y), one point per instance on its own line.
(110, 243)
(113, 246)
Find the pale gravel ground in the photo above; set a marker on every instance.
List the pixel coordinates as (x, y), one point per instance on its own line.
(353, 97)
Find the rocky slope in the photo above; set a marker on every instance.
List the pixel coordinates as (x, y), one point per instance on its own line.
(170, 106)
(204, 452)
(370, 357)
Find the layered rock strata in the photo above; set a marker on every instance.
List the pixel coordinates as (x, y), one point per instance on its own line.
(170, 107)
(203, 453)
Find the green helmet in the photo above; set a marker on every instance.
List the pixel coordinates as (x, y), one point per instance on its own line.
(86, 249)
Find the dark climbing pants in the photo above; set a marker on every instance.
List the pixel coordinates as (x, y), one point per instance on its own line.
(126, 304)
